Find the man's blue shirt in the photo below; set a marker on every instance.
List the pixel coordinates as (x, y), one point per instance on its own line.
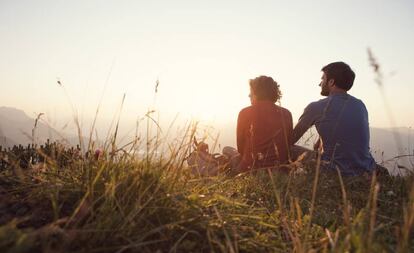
(342, 124)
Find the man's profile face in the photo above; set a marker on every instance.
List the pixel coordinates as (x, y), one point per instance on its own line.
(324, 85)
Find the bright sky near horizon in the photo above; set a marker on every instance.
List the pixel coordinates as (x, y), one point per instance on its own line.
(202, 53)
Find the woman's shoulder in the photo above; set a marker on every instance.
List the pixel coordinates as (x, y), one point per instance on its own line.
(283, 110)
(246, 109)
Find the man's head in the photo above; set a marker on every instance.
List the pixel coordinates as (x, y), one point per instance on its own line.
(336, 76)
(264, 88)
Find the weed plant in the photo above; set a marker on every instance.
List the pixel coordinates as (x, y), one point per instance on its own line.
(123, 203)
(120, 201)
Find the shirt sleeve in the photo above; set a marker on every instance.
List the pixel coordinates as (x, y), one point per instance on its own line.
(364, 108)
(307, 119)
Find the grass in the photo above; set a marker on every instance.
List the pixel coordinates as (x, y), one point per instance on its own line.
(120, 203)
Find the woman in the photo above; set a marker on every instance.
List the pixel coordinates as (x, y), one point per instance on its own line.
(264, 129)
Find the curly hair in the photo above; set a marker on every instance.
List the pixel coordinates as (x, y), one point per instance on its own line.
(265, 88)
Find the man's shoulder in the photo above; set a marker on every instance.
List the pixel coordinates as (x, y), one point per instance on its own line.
(358, 102)
(315, 105)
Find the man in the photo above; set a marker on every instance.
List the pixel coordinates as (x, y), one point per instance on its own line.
(341, 121)
(264, 130)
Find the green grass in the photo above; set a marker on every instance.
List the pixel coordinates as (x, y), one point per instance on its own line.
(124, 204)
(121, 203)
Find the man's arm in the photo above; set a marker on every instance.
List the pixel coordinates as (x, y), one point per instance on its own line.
(305, 122)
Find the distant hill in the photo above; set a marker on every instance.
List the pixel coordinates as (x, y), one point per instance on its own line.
(384, 147)
(6, 142)
(384, 141)
(16, 128)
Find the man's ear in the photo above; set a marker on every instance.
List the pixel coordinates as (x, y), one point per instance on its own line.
(331, 82)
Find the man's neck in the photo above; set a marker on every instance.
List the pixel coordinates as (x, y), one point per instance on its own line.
(335, 90)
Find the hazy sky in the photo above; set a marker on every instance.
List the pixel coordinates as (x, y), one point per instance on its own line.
(202, 52)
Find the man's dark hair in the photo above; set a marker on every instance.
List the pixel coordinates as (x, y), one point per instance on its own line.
(343, 75)
(265, 88)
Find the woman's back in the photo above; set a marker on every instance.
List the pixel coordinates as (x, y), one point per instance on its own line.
(264, 132)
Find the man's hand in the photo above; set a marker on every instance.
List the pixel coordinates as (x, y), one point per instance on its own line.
(318, 144)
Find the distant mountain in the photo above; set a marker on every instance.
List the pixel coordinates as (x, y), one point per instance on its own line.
(16, 128)
(390, 142)
(387, 144)
(13, 114)
(6, 142)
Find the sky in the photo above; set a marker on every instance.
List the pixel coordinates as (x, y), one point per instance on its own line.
(202, 53)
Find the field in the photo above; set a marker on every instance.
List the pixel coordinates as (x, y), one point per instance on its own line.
(118, 202)
(142, 197)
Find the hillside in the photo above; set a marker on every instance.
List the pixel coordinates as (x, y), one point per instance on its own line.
(116, 202)
(151, 205)
(16, 128)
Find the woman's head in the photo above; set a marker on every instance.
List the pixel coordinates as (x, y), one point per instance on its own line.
(264, 88)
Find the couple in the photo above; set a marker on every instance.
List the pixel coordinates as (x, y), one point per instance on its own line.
(266, 136)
